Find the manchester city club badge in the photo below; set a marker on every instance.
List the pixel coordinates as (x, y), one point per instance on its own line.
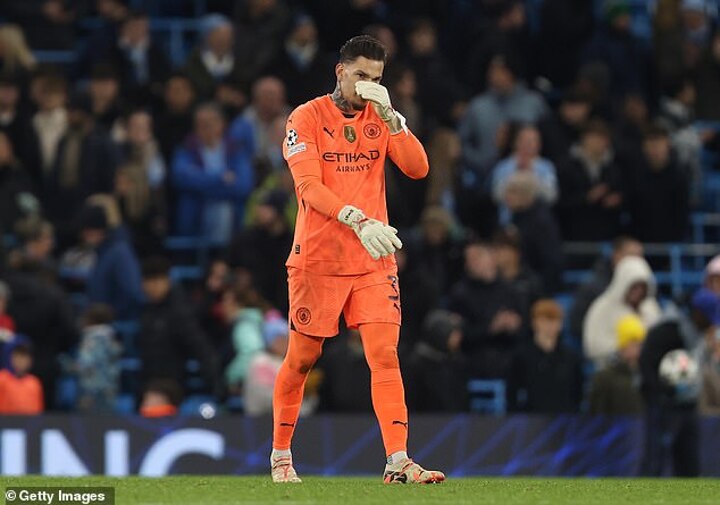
(349, 133)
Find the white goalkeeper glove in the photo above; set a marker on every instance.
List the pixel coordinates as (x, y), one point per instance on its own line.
(377, 238)
(378, 95)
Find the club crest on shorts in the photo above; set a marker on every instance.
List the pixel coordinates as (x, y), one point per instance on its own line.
(303, 316)
(371, 130)
(349, 133)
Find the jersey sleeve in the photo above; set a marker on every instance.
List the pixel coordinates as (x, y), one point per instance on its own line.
(408, 154)
(300, 149)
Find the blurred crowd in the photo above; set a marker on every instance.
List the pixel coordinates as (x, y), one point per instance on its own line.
(544, 122)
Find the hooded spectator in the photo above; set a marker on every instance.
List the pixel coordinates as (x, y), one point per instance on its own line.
(632, 291)
(435, 370)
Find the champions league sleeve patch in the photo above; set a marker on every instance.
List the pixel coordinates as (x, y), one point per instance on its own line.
(297, 148)
(292, 138)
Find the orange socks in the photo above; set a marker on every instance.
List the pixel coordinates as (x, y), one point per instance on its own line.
(380, 342)
(388, 395)
(303, 352)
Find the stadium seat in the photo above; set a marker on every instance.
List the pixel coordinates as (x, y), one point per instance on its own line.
(487, 396)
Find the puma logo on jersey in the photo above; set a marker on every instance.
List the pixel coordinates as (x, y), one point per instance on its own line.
(331, 133)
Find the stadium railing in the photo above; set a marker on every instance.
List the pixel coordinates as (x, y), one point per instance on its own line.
(683, 264)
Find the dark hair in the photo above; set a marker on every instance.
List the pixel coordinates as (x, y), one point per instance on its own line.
(597, 127)
(104, 72)
(154, 267)
(168, 387)
(621, 241)
(22, 348)
(508, 237)
(363, 45)
(98, 313)
(31, 229)
(656, 130)
(136, 14)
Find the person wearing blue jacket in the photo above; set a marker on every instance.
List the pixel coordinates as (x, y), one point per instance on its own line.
(115, 278)
(212, 175)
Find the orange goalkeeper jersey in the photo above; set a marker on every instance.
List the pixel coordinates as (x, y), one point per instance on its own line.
(335, 161)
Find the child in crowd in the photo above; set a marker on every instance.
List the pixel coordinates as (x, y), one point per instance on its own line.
(21, 392)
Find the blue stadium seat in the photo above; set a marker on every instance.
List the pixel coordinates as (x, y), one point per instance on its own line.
(194, 405)
(487, 396)
(125, 404)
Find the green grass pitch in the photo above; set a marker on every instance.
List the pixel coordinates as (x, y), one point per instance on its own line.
(188, 490)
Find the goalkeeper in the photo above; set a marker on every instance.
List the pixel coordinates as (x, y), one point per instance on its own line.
(342, 256)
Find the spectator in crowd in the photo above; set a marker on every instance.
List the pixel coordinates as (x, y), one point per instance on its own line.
(602, 273)
(210, 314)
(506, 31)
(98, 361)
(48, 24)
(263, 369)
(161, 398)
(562, 129)
(16, 196)
(623, 55)
(615, 389)
(7, 325)
(545, 377)
(671, 421)
(591, 187)
(708, 355)
(707, 81)
(169, 332)
(17, 125)
(420, 294)
(436, 247)
(438, 90)
(36, 241)
(261, 28)
(16, 58)
(115, 278)
(104, 38)
(631, 291)
(142, 64)
(106, 101)
(631, 123)
(241, 310)
(51, 120)
(345, 385)
(697, 26)
(213, 61)
(491, 313)
(538, 230)
(506, 100)
(525, 158)
(21, 392)
(435, 371)
(263, 248)
(175, 121)
(212, 175)
(565, 27)
(140, 184)
(42, 311)
(677, 114)
(302, 65)
(267, 107)
(507, 249)
(84, 164)
(659, 194)
(712, 275)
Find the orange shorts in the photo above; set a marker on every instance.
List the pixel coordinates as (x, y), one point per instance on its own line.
(316, 301)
